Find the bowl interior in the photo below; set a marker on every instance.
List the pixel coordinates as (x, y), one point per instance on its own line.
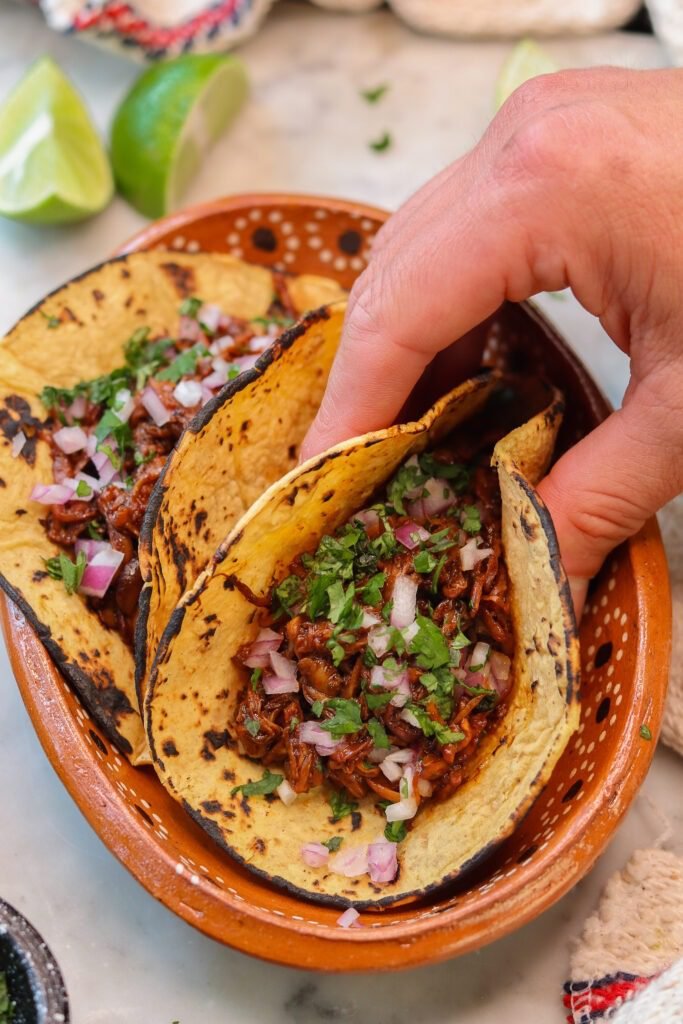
(625, 634)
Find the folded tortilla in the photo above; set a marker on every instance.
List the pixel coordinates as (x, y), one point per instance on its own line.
(196, 682)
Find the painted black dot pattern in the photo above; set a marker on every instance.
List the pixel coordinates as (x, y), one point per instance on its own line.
(350, 242)
(603, 710)
(572, 791)
(264, 239)
(603, 654)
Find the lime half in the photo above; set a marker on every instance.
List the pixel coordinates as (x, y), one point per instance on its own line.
(526, 61)
(53, 168)
(168, 121)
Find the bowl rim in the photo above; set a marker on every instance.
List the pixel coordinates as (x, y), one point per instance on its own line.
(424, 940)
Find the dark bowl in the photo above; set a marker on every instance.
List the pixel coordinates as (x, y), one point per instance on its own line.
(34, 980)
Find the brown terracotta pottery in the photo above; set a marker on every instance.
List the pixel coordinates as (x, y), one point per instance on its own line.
(625, 636)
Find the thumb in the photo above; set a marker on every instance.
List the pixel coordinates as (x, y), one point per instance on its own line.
(604, 489)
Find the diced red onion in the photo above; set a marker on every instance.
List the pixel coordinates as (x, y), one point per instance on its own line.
(277, 684)
(215, 380)
(471, 555)
(411, 535)
(424, 787)
(91, 547)
(500, 666)
(405, 755)
(210, 316)
(282, 666)
(314, 854)
(51, 494)
(77, 408)
(220, 366)
(259, 652)
(286, 793)
(70, 439)
(439, 496)
(377, 755)
(207, 394)
(312, 732)
(403, 810)
(410, 632)
(190, 330)
(348, 919)
(369, 620)
(380, 676)
(414, 492)
(221, 344)
(416, 509)
(392, 770)
(106, 470)
(188, 393)
(350, 862)
(100, 571)
(382, 861)
(124, 400)
(404, 596)
(18, 442)
(367, 517)
(155, 407)
(402, 694)
(91, 446)
(410, 718)
(378, 640)
(480, 653)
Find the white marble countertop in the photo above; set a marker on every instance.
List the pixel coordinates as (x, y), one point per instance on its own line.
(126, 959)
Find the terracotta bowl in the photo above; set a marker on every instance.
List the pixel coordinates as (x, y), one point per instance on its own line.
(625, 638)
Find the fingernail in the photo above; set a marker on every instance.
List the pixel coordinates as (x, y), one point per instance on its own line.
(579, 588)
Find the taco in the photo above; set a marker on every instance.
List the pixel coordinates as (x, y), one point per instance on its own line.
(239, 444)
(97, 384)
(368, 687)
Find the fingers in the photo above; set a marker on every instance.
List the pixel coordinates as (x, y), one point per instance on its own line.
(603, 490)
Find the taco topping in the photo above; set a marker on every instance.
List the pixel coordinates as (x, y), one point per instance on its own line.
(385, 655)
(110, 438)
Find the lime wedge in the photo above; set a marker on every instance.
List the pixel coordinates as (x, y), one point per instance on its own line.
(53, 168)
(526, 61)
(168, 121)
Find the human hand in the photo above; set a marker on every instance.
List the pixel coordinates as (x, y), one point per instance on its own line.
(577, 182)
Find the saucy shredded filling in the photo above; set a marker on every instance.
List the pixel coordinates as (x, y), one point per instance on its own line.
(385, 656)
(110, 438)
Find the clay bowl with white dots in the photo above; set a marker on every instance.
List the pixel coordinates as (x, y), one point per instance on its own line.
(625, 638)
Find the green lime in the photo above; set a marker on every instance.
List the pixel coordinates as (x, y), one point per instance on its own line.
(526, 61)
(53, 167)
(168, 121)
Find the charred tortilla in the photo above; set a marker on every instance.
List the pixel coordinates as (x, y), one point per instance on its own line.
(78, 334)
(197, 680)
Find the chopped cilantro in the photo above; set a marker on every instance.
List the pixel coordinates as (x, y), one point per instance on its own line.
(268, 321)
(460, 641)
(441, 541)
(141, 459)
(471, 520)
(268, 783)
(95, 532)
(183, 365)
(429, 644)
(333, 843)
(289, 593)
(341, 807)
(71, 573)
(317, 708)
(191, 306)
(455, 472)
(6, 1004)
(52, 321)
(408, 477)
(343, 610)
(424, 562)
(378, 733)
(396, 831)
(437, 572)
(252, 726)
(83, 490)
(387, 610)
(255, 678)
(379, 699)
(374, 95)
(371, 593)
(645, 732)
(441, 733)
(370, 659)
(114, 457)
(346, 718)
(111, 426)
(336, 650)
(382, 143)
